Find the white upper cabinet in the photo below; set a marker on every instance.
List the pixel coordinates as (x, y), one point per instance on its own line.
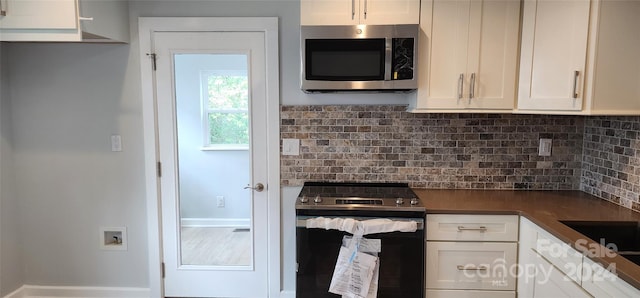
(354, 12)
(468, 55)
(50, 14)
(554, 47)
(64, 20)
(580, 57)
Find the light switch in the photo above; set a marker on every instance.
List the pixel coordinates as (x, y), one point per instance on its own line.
(290, 146)
(116, 143)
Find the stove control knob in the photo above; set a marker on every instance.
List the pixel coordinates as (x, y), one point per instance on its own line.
(399, 201)
(317, 199)
(304, 199)
(414, 201)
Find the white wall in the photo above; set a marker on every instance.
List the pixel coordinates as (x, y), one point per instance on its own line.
(11, 266)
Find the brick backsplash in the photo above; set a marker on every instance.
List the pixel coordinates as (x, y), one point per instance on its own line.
(367, 143)
(611, 159)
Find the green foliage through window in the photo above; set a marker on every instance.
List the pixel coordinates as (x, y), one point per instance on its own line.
(227, 109)
(228, 128)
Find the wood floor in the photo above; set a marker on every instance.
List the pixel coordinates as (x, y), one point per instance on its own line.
(216, 246)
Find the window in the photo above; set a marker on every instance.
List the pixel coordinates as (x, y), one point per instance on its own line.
(225, 110)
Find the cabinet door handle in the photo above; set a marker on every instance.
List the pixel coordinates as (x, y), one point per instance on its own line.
(472, 86)
(3, 10)
(474, 268)
(576, 74)
(460, 85)
(365, 9)
(353, 9)
(480, 229)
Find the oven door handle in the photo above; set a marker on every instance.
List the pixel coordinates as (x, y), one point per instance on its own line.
(301, 221)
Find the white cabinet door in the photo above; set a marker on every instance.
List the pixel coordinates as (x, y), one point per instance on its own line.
(468, 54)
(329, 12)
(549, 282)
(381, 12)
(553, 55)
(600, 282)
(353, 12)
(443, 54)
(493, 54)
(39, 14)
(540, 278)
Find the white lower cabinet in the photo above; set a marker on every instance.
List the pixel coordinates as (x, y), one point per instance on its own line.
(533, 261)
(549, 282)
(471, 265)
(600, 282)
(471, 255)
(469, 294)
(549, 268)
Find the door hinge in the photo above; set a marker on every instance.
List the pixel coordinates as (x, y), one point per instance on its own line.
(159, 169)
(163, 272)
(153, 57)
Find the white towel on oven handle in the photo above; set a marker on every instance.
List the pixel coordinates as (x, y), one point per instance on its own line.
(369, 226)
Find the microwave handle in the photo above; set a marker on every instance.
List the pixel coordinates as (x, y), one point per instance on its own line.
(460, 85)
(353, 9)
(365, 9)
(387, 59)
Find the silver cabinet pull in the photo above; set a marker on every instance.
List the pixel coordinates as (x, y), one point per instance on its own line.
(353, 9)
(460, 85)
(365, 9)
(259, 187)
(481, 229)
(472, 86)
(474, 268)
(3, 10)
(576, 74)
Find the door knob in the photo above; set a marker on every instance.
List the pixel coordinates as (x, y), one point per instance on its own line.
(259, 187)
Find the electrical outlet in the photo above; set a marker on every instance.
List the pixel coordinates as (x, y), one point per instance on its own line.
(545, 147)
(220, 201)
(290, 146)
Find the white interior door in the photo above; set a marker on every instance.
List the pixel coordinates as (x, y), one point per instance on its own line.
(212, 139)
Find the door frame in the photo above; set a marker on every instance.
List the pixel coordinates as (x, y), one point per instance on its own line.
(146, 27)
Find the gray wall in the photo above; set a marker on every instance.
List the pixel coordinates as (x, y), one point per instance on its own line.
(67, 99)
(11, 266)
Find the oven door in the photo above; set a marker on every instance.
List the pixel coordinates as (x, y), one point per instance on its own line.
(401, 262)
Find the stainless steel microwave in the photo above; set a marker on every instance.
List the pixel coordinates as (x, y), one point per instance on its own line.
(359, 58)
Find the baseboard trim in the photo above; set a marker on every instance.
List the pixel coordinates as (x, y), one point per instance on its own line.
(287, 294)
(216, 222)
(31, 291)
(19, 293)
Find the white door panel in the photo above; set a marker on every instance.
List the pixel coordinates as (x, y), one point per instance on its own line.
(201, 244)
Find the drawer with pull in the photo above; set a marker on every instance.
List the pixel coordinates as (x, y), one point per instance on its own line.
(465, 227)
(469, 294)
(471, 265)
